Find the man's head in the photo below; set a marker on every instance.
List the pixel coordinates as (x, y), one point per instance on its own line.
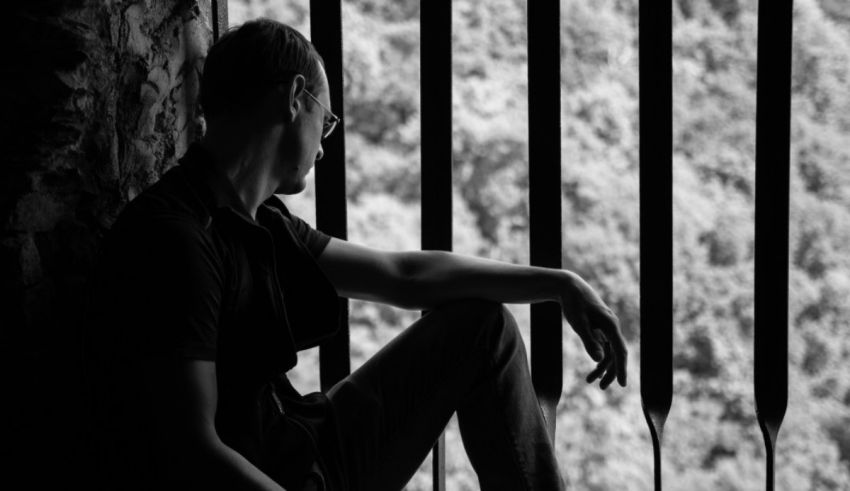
(266, 75)
(249, 60)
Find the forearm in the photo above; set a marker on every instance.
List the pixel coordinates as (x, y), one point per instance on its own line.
(429, 278)
(217, 466)
(236, 469)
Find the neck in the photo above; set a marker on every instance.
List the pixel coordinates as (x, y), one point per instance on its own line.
(245, 154)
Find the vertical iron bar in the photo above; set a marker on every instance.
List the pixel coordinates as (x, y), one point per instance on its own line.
(544, 200)
(436, 114)
(773, 127)
(656, 218)
(331, 212)
(219, 18)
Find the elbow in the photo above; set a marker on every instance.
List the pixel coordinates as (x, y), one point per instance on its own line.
(188, 451)
(202, 462)
(413, 280)
(403, 285)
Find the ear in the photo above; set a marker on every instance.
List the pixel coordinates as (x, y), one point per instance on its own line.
(294, 105)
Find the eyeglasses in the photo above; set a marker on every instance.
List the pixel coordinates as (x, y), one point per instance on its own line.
(331, 122)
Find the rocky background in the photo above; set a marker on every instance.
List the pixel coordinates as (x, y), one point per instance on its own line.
(99, 101)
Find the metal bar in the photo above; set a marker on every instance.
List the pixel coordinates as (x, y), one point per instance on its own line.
(331, 211)
(436, 103)
(219, 18)
(436, 113)
(656, 218)
(773, 126)
(544, 201)
(438, 461)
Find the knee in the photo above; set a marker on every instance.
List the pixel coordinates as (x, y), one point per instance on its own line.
(486, 317)
(486, 310)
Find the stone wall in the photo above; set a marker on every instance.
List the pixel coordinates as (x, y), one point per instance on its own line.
(100, 100)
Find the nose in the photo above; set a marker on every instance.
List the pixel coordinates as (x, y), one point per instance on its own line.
(320, 153)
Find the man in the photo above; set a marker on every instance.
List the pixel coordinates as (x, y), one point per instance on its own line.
(209, 287)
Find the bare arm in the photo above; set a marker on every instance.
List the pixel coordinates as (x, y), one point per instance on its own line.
(184, 399)
(426, 279)
(421, 280)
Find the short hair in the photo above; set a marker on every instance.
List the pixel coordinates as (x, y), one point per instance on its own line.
(246, 61)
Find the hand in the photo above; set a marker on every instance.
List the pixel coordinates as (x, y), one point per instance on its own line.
(310, 485)
(599, 330)
(314, 481)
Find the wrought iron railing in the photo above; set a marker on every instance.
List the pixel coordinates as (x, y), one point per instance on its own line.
(655, 47)
(773, 170)
(656, 196)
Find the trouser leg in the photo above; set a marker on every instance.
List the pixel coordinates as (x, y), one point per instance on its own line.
(468, 357)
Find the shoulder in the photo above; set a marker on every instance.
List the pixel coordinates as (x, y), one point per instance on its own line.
(171, 204)
(157, 228)
(171, 200)
(151, 227)
(313, 239)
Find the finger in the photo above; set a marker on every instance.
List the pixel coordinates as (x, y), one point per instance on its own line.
(611, 367)
(601, 367)
(599, 336)
(608, 378)
(621, 353)
(598, 371)
(593, 347)
(621, 368)
(613, 336)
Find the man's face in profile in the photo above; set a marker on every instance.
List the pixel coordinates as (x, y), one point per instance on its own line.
(301, 143)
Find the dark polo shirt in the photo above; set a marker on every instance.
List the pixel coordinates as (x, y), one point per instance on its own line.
(186, 273)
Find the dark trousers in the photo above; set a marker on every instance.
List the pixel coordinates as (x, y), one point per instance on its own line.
(466, 356)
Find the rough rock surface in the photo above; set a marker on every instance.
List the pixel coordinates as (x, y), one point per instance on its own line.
(100, 101)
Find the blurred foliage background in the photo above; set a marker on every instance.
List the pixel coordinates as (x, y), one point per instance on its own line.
(712, 440)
